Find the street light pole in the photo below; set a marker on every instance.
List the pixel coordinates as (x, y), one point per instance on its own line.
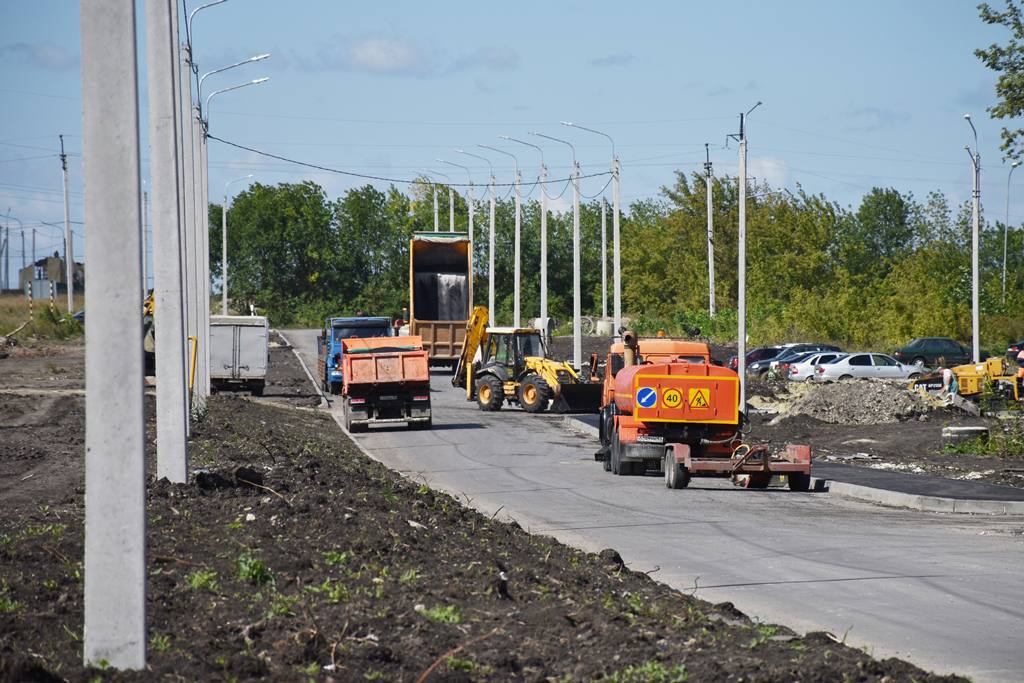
(543, 233)
(224, 245)
(490, 250)
(741, 298)
(616, 213)
(69, 247)
(469, 199)
(1006, 225)
(577, 313)
(451, 201)
(604, 258)
(516, 240)
(975, 238)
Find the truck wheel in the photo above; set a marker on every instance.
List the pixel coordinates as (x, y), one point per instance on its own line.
(607, 462)
(619, 468)
(534, 394)
(676, 476)
(335, 388)
(490, 393)
(799, 481)
(256, 388)
(758, 480)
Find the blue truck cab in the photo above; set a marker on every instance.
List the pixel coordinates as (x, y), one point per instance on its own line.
(329, 347)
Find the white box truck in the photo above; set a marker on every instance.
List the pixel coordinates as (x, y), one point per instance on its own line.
(239, 352)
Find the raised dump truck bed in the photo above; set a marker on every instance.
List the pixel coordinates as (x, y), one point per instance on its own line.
(385, 380)
(440, 292)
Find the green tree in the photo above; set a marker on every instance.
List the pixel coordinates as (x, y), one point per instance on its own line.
(1007, 61)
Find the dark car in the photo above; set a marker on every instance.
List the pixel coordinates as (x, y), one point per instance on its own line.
(788, 353)
(933, 351)
(754, 355)
(1013, 350)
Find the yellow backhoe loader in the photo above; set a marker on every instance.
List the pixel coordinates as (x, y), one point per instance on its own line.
(513, 367)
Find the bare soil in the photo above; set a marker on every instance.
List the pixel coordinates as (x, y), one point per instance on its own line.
(293, 557)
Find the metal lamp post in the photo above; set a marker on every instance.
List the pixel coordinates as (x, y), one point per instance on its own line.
(577, 313)
(975, 237)
(616, 212)
(469, 199)
(224, 244)
(490, 238)
(451, 201)
(543, 231)
(1006, 225)
(518, 230)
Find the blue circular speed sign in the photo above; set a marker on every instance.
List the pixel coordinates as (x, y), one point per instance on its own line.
(646, 397)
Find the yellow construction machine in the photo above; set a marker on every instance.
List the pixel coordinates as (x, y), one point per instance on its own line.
(990, 378)
(513, 367)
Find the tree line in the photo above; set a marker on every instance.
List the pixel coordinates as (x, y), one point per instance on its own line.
(874, 275)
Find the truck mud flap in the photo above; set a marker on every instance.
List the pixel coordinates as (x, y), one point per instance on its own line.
(578, 398)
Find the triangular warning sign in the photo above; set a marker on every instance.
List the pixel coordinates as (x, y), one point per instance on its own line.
(698, 398)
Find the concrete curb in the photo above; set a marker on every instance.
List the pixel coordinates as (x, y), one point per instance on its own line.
(895, 499)
(324, 403)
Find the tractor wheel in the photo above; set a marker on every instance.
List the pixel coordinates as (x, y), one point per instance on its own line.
(758, 480)
(490, 393)
(799, 481)
(534, 394)
(676, 476)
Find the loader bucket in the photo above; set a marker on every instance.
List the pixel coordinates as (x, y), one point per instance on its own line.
(584, 397)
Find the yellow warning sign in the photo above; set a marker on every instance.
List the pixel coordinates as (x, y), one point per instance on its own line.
(672, 398)
(698, 398)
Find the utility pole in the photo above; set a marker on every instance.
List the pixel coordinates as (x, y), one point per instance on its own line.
(604, 258)
(69, 248)
(451, 208)
(741, 298)
(711, 233)
(1006, 225)
(517, 267)
(544, 245)
(436, 224)
(616, 251)
(171, 373)
(33, 253)
(577, 312)
(975, 237)
(201, 390)
(114, 630)
(189, 204)
(490, 251)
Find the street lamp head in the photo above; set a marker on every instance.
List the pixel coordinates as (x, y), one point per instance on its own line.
(967, 116)
(504, 137)
(568, 123)
(260, 80)
(259, 58)
(1015, 164)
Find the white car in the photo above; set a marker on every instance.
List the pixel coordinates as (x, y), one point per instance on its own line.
(876, 365)
(804, 371)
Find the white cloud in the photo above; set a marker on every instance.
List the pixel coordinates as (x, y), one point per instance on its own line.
(44, 55)
(387, 56)
(769, 169)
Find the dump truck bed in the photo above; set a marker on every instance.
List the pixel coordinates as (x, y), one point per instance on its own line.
(386, 380)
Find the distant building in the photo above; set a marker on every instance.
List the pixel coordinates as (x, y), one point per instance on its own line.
(51, 268)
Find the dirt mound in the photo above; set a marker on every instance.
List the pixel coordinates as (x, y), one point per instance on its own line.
(860, 402)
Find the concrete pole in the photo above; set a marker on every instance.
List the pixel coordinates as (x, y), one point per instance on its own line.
(1006, 225)
(544, 246)
(975, 236)
(616, 251)
(181, 126)
(199, 391)
(451, 209)
(224, 254)
(69, 247)
(189, 185)
(490, 262)
(604, 258)
(577, 312)
(711, 237)
(471, 209)
(516, 279)
(145, 245)
(115, 463)
(171, 347)
(436, 223)
(204, 327)
(741, 298)
(33, 253)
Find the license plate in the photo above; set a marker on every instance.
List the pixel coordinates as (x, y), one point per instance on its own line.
(650, 439)
(389, 398)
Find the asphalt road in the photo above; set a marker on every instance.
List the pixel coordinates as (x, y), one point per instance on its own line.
(943, 591)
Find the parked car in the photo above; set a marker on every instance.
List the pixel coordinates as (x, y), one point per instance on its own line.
(804, 369)
(856, 365)
(754, 355)
(789, 352)
(933, 351)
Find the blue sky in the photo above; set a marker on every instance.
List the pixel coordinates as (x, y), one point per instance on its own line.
(856, 94)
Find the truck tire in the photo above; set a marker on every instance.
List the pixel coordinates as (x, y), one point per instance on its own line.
(619, 468)
(534, 394)
(490, 393)
(799, 481)
(676, 476)
(335, 388)
(256, 388)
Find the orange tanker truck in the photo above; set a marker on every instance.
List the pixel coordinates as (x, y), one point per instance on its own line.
(668, 407)
(385, 380)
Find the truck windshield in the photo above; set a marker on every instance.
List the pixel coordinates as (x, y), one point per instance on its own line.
(349, 332)
(530, 345)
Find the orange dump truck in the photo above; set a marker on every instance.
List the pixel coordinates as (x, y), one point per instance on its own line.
(667, 407)
(385, 380)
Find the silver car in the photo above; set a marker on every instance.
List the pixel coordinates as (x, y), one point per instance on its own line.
(804, 370)
(876, 365)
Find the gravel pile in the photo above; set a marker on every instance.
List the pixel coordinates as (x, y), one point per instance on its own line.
(860, 402)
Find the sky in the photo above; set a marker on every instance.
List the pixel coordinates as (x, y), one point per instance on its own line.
(855, 95)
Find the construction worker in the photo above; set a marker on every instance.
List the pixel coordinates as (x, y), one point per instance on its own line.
(949, 384)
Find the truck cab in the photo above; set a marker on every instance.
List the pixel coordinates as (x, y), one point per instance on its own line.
(330, 349)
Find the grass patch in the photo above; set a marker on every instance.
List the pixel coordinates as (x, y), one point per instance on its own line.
(649, 672)
(253, 569)
(47, 323)
(442, 614)
(1007, 442)
(203, 580)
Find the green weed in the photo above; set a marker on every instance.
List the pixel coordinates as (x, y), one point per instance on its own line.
(281, 605)
(159, 643)
(335, 558)
(333, 591)
(442, 614)
(254, 570)
(409, 576)
(649, 672)
(203, 580)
